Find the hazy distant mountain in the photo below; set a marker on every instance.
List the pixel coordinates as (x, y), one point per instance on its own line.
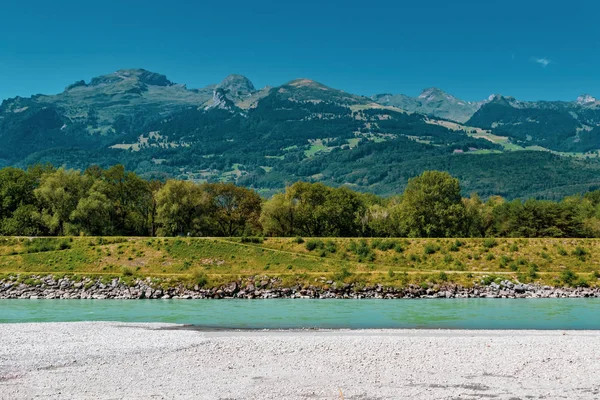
(432, 101)
(269, 137)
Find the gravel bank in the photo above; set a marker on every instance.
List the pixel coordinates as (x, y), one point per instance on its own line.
(100, 360)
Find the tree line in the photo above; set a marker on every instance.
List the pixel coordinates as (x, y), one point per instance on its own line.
(44, 200)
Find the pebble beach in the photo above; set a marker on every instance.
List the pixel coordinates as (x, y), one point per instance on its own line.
(105, 360)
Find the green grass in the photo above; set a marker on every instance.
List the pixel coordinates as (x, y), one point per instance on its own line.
(316, 148)
(353, 142)
(309, 261)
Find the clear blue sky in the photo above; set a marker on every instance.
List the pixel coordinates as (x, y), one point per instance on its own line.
(530, 49)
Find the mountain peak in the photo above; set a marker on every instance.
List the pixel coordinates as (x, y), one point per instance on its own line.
(138, 74)
(237, 85)
(433, 93)
(500, 99)
(586, 99)
(304, 82)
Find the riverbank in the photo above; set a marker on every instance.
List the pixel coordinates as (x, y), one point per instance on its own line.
(330, 264)
(52, 287)
(134, 361)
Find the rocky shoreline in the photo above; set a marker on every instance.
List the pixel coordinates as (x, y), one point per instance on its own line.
(51, 287)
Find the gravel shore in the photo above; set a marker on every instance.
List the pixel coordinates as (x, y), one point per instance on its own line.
(103, 360)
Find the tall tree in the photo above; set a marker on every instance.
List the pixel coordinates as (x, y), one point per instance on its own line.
(432, 206)
(277, 216)
(182, 209)
(59, 193)
(235, 210)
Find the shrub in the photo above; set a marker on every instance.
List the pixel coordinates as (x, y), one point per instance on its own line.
(431, 248)
(252, 239)
(313, 244)
(64, 245)
(456, 245)
(459, 266)
(342, 274)
(487, 280)
(330, 246)
(200, 279)
(298, 240)
(532, 271)
(399, 248)
(504, 261)
(31, 282)
(580, 253)
(186, 265)
(414, 258)
(443, 276)
(568, 277)
(391, 273)
(448, 259)
(596, 274)
(126, 271)
(490, 257)
(40, 245)
(562, 251)
(385, 245)
(582, 283)
(488, 243)
(514, 247)
(362, 250)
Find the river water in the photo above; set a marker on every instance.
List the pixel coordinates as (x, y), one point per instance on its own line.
(304, 313)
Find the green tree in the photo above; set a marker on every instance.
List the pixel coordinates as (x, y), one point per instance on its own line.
(16, 189)
(59, 193)
(26, 220)
(181, 208)
(432, 206)
(277, 216)
(92, 214)
(234, 210)
(343, 209)
(308, 200)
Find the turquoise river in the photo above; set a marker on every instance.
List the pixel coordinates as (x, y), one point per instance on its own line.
(324, 314)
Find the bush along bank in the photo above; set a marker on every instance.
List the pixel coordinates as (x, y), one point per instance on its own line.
(257, 287)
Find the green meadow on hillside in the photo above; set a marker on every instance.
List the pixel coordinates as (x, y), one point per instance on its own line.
(316, 261)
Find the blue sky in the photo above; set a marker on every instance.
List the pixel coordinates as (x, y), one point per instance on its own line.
(529, 49)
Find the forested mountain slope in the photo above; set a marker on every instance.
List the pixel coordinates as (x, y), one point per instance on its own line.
(303, 130)
(556, 125)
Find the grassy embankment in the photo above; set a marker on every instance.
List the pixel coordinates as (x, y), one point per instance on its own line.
(393, 262)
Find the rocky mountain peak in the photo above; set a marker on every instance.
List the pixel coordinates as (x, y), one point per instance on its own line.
(435, 94)
(140, 75)
(221, 101)
(586, 99)
(237, 85)
(504, 100)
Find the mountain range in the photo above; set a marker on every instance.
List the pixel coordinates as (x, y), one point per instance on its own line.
(304, 130)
